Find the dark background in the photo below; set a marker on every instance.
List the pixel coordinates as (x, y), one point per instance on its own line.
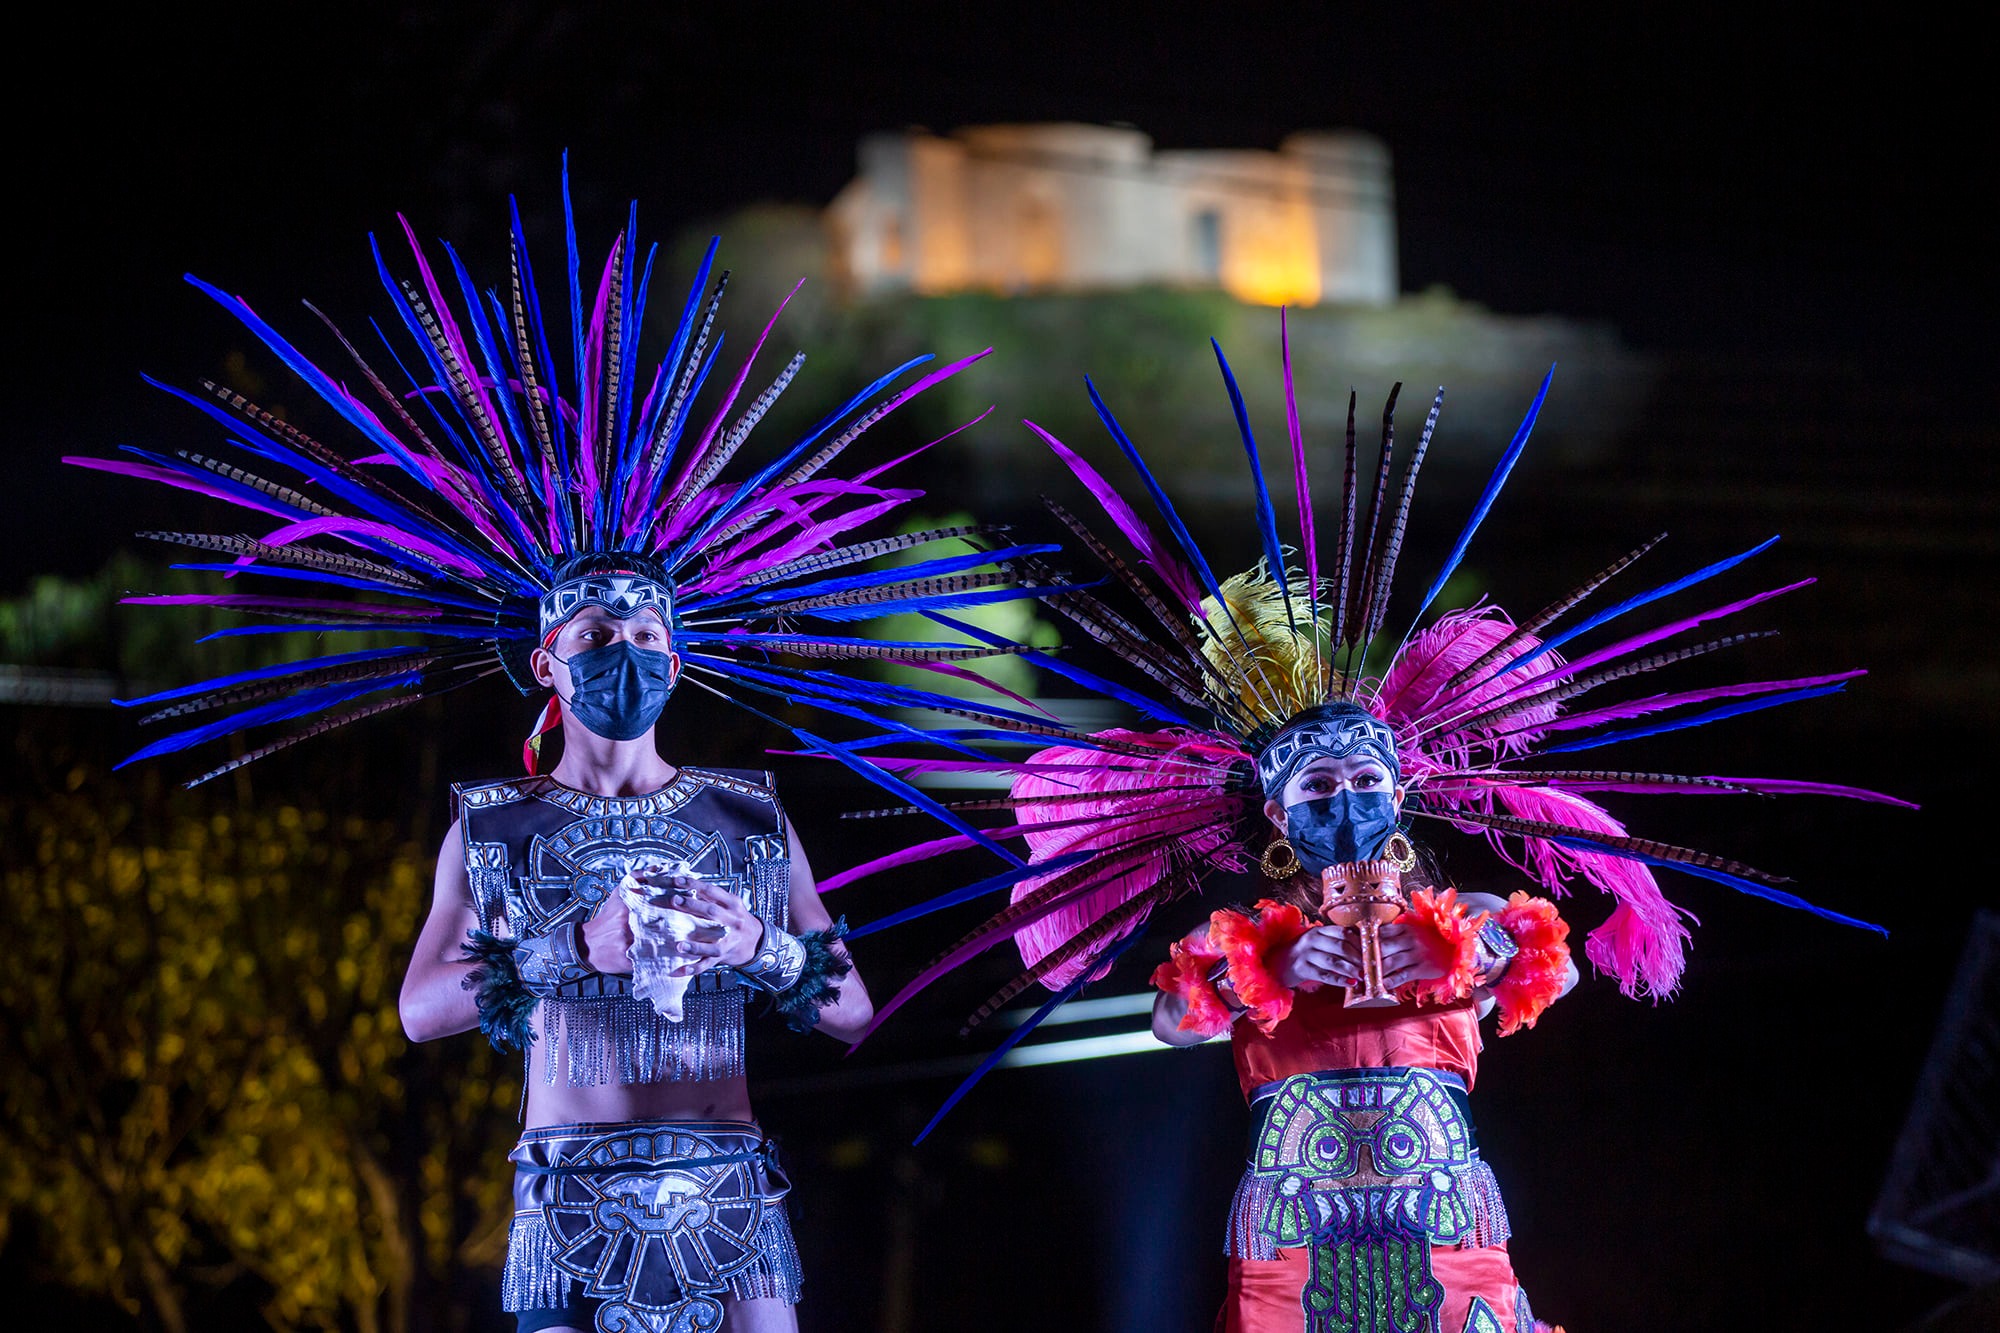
(1783, 213)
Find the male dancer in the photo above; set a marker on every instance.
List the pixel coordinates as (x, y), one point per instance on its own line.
(652, 1114)
(594, 540)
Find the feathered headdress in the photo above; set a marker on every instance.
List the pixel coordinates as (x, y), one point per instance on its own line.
(1479, 706)
(477, 478)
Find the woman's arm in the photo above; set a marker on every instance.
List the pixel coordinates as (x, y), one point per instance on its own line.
(1494, 906)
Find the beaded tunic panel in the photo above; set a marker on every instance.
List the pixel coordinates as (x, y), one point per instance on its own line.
(540, 856)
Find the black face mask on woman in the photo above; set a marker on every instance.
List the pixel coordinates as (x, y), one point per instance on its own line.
(619, 690)
(1335, 830)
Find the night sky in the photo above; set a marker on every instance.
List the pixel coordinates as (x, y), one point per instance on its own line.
(1701, 180)
(1715, 187)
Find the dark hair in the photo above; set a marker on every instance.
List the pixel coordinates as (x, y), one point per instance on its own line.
(611, 562)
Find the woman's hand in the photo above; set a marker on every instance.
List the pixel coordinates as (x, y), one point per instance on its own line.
(1408, 955)
(1323, 956)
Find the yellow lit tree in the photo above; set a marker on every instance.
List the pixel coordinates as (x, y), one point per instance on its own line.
(210, 1084)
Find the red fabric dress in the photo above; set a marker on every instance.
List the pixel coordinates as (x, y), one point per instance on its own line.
(1322, 1034)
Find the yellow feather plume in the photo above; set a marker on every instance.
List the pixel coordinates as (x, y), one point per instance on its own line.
(1272, 652)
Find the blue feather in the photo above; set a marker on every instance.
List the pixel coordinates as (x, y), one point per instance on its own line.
(1489, 495)
(889, 782)
(753, 488)
(1696, 719)
(682, 333)
(510, 425)
(1267, 517)
(834, 686)
(262, 673)
(1090, 680)
(678, 425)
(279, 710)
(1006, 879)
(266, 446)
(1014, 1038)
(1160, 500)
(445, 631)
(1737, 882)
(312, 375)
(531, 308)
(472, 456)
(950, 564)
(841, 615)
(1633, 603)
(477, 467)
(835, 702)
(340, 580)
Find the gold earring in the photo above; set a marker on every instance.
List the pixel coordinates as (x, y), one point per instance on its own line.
(1399, 853)
(1274, 869)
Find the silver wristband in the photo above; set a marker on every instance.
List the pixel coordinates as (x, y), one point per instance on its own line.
(779, 962)
(1496, 949)
(545, 962)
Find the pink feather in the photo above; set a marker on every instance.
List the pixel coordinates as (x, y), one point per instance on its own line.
(1413, 693)
(1791, 787)
(1135, 817)
(1644, 943)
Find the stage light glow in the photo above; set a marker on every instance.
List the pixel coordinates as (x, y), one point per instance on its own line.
(1085, 1011)
(1090, 1048)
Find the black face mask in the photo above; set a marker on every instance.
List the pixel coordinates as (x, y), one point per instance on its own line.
(1335, 830)
(619, 689)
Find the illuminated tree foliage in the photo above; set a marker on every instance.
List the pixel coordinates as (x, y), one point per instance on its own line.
(209, 1088)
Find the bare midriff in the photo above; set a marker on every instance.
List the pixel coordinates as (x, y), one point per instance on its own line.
(611, 1103)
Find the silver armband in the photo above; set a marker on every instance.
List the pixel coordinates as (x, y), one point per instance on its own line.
(1496, 949)
(779, 962)
(545, 962)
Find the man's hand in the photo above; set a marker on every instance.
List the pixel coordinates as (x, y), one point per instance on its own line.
(606, 939)
(733, 933)
(1323, 956)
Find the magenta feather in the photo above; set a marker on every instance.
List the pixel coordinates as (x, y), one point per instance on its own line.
(1301, 480)
(350, 528)
(1654, 703)
(1790, 787)
(479, 406)
(1178, 578)
(147, 472)
(957, 672)
(1090, 877)
(1623, 648)
(700, 451)
(1122, 818)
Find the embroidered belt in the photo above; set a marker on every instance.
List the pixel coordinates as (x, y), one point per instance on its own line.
(1355, 1152)
(657, 1219)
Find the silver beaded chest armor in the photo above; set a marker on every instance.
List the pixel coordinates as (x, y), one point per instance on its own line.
(542, 859)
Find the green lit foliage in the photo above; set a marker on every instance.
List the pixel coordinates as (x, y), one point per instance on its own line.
(211, 1083)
